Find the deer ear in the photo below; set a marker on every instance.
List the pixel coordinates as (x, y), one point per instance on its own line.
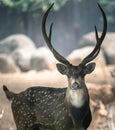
(89, 68)
(62, 68)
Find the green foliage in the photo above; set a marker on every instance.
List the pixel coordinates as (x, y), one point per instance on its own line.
(110, 5)
(110, 9)
(33, 5)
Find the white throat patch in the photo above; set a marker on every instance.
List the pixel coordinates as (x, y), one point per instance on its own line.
(78, 97)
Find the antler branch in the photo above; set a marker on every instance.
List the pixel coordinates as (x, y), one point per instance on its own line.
(99, 40)
(59, 57)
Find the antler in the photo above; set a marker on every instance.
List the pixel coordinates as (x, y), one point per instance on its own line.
(47, 38)
(99, 40)
(88, 58)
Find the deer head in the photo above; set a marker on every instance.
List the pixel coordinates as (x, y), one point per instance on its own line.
(75, 74)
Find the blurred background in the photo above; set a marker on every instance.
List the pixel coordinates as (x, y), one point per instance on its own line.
(72, 19)
(25, 60)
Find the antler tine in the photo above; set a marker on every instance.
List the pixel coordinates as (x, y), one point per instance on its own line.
(99, 40)
(48, 39)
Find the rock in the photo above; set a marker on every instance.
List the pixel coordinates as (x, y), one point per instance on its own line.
(101, 97)
(103, 75)
(22, 59)
(88, 40)
(108, 45)
(21, 48)
(111, 115)
(104, 93)
(110, 53)
(7, 65)
(98, 76)
(110, 71)
(41, 59)
(99, 117)
(17, 41)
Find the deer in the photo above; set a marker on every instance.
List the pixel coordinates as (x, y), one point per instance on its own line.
(67, 108)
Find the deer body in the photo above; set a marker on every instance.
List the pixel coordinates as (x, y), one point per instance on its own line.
(45, 108)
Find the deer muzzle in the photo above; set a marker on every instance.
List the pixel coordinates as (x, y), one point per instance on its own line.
(75, 86)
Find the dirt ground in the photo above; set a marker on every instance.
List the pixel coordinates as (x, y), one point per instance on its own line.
(103, 119)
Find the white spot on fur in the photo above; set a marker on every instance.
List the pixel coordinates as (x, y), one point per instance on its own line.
(1, 114)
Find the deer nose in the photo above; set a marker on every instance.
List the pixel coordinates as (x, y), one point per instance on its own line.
(75, 86)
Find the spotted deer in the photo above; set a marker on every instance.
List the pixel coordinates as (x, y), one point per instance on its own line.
(67, 108)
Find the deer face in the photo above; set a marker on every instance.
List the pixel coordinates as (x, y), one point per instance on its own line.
(75, 74)
(77, 93)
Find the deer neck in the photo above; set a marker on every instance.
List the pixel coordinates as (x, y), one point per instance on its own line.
(77, 97)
